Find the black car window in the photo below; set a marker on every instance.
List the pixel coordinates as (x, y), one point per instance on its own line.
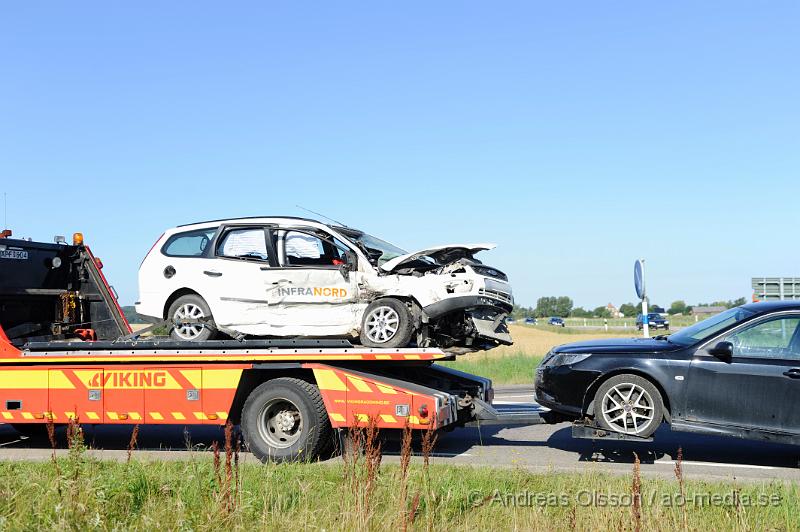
(707, 328)
(244, 243)
(188, 244)
(768, 339)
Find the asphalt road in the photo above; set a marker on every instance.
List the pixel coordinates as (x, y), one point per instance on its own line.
(538, 448)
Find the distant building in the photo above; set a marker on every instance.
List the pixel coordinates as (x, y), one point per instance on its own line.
(775, 288)
(614, 311)
(707, 311)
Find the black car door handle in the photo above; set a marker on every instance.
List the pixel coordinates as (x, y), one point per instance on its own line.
(212, 273)
(793, 373)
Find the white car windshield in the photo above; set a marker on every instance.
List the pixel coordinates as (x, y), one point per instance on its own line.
(706, 328)
(379, 250)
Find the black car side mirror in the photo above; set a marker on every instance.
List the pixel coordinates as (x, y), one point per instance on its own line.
(723, 351)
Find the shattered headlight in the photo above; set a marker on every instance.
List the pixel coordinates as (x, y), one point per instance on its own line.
(565, 359)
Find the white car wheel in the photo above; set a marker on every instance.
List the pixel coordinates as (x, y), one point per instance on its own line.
(191, 308)
(387, 323)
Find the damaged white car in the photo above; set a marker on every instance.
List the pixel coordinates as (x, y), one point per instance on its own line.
(293, 277)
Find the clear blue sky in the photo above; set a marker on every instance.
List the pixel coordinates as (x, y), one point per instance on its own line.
(549, 128)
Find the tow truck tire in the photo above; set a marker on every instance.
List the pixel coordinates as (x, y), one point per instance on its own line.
(284, 420)
(191, 306)
(629, 404)
(387, 323)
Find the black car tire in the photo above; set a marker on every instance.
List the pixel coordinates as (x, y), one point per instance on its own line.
(267, 407)
(192, 303)
(625, 392)
(388, 309)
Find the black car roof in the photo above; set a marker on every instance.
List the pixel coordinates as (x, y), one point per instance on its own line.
(772, 306)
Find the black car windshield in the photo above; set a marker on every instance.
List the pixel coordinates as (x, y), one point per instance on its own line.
(707, 328)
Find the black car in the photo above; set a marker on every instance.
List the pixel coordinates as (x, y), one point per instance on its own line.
(736, 373)
(654, 320)
(557, 322)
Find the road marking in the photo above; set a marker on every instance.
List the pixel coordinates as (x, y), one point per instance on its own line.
(437, 455)
(715, 464)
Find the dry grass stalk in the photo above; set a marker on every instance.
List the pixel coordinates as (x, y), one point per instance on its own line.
(681, 487)
(372, 461)
(132, 443)
(573, 517)
(429, 438)
(405, 461)
(636, 492)
(412, 513)
(217, 475)
(227, 492)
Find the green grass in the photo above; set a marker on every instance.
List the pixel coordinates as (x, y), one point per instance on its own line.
(515, 368)
(83, 493)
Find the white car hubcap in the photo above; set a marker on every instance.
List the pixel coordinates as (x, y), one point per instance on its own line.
(627, 408)
(382, 324)
(188, 312)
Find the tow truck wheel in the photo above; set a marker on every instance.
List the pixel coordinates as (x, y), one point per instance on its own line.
(629, 404)
(284, 420)
(188, 308)
(387, 323)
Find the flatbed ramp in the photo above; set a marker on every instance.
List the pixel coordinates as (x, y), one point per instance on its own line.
(508, 413)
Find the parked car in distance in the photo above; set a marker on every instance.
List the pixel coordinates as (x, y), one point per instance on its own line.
(289, 277)
(736, 373)
(530, 321)
(510, 320)
(654, 321)
(557, 322)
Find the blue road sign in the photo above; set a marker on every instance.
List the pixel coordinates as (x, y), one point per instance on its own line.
(638, 278)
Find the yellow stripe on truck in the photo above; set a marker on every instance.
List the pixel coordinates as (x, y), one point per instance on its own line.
(30, 380)
(360, 385)
(328, 380)
(225, 379)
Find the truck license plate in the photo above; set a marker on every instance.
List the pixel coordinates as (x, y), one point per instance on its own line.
(13, 254)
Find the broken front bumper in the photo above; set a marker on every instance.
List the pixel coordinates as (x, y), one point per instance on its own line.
(487, 315)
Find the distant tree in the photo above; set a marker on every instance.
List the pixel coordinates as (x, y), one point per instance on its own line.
(563, 306)
(630, 310)
(580, 312)
(677, 307)
(602, 312)
(545, 306)
(553, 306)
(520, 313)
(738, 302)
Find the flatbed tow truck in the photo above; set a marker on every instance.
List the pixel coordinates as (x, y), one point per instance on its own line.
(67, 352)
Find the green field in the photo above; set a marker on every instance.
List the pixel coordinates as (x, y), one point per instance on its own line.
(80, 493)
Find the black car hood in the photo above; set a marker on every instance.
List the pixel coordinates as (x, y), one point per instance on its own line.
(619, 345)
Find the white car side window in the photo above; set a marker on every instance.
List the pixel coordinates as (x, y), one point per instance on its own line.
(303, 246)
(244, 243)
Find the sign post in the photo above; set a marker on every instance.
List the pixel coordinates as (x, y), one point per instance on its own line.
(638, 282)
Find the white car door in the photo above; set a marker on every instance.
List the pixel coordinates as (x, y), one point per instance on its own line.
(311, 294)
(237, 281)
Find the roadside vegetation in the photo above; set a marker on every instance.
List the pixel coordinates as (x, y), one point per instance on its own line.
(216, 490)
